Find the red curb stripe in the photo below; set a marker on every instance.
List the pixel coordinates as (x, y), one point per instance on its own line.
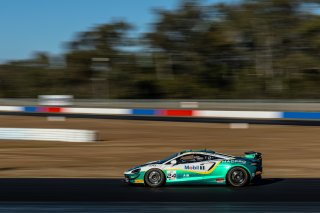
(172, 112)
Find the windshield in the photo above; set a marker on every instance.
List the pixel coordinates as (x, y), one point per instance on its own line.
(168, 158)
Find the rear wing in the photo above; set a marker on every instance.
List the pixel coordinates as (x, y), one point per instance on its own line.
(253, 155)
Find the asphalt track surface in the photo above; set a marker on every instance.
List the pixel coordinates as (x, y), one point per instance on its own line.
(114, 190)
(112, 195)
(97, 207)
(176, 119)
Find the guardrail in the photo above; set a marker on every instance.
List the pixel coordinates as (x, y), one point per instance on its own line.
(64, 135)
(166, 112)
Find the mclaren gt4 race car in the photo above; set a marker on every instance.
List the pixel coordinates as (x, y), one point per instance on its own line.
(198, 167)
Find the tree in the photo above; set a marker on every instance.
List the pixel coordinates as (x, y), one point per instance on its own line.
(199, 52)
(103, 41)
(271, 35)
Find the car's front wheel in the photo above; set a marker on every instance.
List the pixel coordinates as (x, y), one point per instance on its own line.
(154, 178)
(238, 177)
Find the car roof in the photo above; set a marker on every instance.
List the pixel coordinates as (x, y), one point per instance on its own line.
(201, 151)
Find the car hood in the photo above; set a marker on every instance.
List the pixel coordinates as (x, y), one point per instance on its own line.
(146, 164)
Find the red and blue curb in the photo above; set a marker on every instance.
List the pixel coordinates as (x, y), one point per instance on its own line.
(165, 112)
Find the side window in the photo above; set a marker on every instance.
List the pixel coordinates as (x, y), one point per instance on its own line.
(185, 159)
(200, 158)
(192, 158)
(210, 157)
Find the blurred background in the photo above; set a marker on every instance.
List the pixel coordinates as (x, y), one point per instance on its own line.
(264, 49)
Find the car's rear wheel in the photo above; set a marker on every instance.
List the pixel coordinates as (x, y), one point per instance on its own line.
(238, 177)
(154, 178)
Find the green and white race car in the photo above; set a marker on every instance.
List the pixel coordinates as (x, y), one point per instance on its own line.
(198, 167)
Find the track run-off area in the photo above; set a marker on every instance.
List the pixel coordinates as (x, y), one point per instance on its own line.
(289, 151)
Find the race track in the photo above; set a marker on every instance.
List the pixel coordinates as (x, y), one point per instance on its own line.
(114, 190)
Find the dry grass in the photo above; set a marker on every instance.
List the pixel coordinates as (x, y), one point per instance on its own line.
(288, 151)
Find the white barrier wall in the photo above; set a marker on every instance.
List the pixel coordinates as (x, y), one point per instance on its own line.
(64, 135)
(11, 108)
(55, 100)
(97, 111)
(237, 114)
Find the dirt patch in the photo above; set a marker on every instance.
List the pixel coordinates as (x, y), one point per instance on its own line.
(288, 151)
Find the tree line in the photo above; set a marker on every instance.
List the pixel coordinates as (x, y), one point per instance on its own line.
(252, 49)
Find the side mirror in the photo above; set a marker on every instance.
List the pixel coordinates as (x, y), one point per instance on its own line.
(173, 162)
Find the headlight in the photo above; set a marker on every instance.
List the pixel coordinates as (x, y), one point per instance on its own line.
(136, 171)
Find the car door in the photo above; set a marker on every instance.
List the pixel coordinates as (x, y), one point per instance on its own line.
(179, 171)
(190, 167)
(210, 164)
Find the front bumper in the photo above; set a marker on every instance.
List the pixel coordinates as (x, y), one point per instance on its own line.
(133, 178)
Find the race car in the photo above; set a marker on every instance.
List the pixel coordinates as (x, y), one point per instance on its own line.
(198, 167)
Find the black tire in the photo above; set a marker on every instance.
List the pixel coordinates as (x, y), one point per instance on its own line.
(237, 177)
(257, 178)
(154, 178)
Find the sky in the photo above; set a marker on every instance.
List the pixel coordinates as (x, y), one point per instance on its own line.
(27, 26)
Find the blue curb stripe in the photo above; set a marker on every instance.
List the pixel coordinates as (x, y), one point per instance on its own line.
(143, 112)
(301, 115)
(30, 109)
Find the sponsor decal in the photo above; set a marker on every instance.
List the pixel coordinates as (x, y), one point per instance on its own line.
(194, 167)
(172, 175)
(138, 181)
(234, 161)
(220, 180)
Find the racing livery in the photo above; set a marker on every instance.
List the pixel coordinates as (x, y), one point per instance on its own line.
(198, 167)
